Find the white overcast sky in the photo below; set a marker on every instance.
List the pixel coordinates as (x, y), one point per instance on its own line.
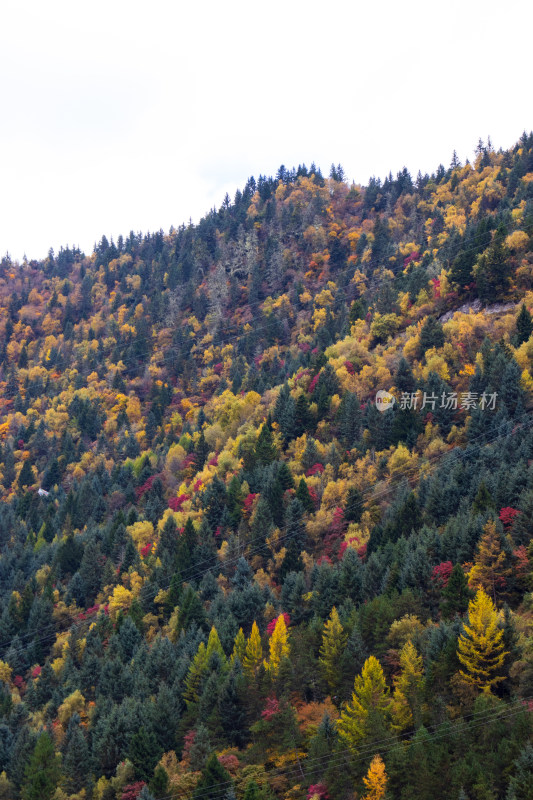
(125, 115)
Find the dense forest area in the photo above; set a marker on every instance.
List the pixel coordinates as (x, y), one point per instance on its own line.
(225, 574)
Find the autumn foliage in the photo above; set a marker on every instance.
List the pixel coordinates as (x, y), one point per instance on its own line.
(225, 572)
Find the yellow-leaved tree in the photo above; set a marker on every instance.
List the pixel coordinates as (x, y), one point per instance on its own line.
(74, 703)
(195, 674)
(331, 650)
(141, 532)
(279, 647)
(480, 647)
(200, 663)
(490, 570)
(5, 672)
(253, 656)
(239, 647)
(120, 600)
(214, 646)
(367, 715)
(375, 780)
(408, 688)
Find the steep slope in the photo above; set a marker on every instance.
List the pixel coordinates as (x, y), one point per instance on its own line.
(208, 530)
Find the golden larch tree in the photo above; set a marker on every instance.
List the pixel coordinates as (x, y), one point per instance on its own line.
(279, 647)
(369, 710)
(254, 651)
(375, 780)
(480, 647)
(490, 571)
(332, 647)
(195, 674)
(408, 687)
(239, 647)
(214, 645)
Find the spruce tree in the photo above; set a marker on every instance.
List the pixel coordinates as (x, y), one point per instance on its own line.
(261, 526)
(265, 449)
(187, 547)
(214, 501)
(483, 500)
(26, 475)
(191, 611)
(9, 468)
(146, 794)
(42, 772)
(310, 455)
(166, 717)
(292, 560)
(524, 326)
(159, 784)
(456, 595)
(168, 541)
(21, 752)
(294, 524)
(349, 417)
(521, 783)
(353, 510)
(302, 494)
(200, 749)
(201, 451)
(232, 708)
(91, 571)
(144, 753)
(302, 419)
(431, 335)
(213, 781)
(235, 502)
(76, 756)
(352, 660)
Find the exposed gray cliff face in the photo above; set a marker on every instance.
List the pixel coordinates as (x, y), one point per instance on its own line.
(476, 306)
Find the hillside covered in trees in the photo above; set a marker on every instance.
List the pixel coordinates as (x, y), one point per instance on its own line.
(224, 573)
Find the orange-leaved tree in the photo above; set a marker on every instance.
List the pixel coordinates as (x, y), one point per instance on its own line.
(375, 780)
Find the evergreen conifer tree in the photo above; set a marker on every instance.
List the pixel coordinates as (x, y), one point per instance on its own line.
(42, 772)
(213, 781)
(76, 756)
(524, 326)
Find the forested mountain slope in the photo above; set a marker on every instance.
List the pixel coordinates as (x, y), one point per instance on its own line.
(224, 572)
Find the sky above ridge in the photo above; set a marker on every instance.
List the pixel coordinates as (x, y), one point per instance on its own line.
(119, 116)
